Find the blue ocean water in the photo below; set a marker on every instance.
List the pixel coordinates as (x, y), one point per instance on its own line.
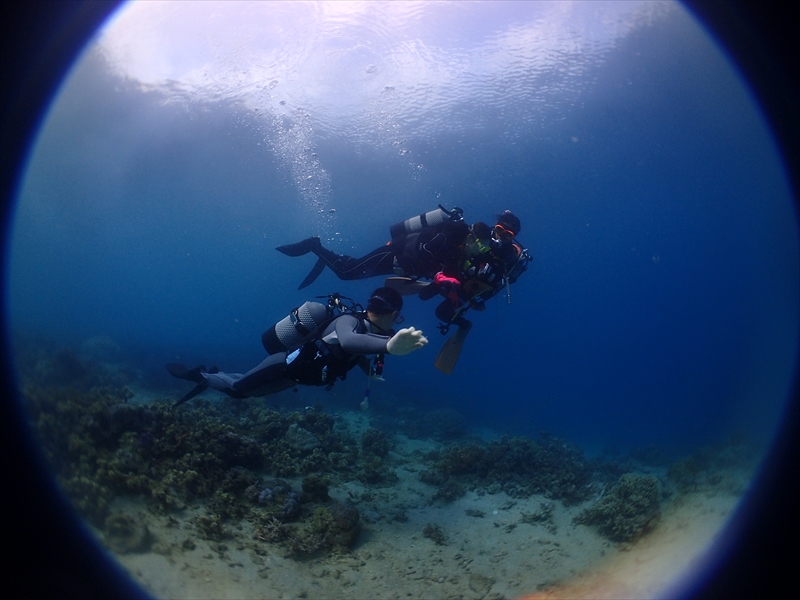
(659, 307)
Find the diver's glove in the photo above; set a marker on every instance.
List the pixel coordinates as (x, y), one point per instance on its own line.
(448, 286)
(443, 280)
(406, 341)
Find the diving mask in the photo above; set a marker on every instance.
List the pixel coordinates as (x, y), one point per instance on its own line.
(502, 234)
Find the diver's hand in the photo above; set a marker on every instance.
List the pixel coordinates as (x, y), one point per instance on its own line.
(448, 287)
(445, 282)
(406, 341)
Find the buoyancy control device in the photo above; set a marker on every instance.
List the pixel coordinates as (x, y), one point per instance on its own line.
(311, 360)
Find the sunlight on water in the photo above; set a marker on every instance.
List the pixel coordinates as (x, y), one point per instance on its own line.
(372, 73)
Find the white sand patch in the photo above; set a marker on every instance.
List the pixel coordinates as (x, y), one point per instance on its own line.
(659, 564)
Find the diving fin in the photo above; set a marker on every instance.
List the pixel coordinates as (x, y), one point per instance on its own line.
(405, 285)
(195, 390)
(181, 372)
(300, 248)
(448, 355)
(318, 268)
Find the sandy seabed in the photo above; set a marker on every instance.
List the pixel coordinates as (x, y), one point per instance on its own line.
(487, 551)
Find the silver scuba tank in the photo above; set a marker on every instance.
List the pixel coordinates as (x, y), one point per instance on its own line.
(287, 332)
(420, 222)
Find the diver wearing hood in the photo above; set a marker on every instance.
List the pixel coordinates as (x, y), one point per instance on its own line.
(318, 355)
(492, 259)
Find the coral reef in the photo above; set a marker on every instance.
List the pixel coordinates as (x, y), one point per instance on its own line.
(231, 462)
(301, 439)
(334, 527)
(212, 455)
(375, 442)
(518, 466)
(449, 492)
(375, 446)
(626, 511)
(339, 524)
(717, 467)
(315, 489)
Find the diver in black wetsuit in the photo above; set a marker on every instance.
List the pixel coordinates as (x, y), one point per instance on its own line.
(467, 265)
(491, 260)
(419, 248)
(321, 357)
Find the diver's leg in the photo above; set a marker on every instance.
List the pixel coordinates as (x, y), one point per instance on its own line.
(451, 315)
(224, 382)
(429, 291)
(378, 262)
(181, 372)
(267, 378)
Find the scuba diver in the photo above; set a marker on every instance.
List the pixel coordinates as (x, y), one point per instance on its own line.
(466, 264)
(316, 345)
(491, 261)
(419, 248)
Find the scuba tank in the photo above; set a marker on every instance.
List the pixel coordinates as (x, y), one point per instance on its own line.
(431, 218)
(288, 332)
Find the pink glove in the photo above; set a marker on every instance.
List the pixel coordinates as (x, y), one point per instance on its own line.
(449, 285)
(444, 281)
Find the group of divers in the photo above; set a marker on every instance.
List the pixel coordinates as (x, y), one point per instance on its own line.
(433, 254)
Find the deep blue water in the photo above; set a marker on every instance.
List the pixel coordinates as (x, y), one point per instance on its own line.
(660, 306)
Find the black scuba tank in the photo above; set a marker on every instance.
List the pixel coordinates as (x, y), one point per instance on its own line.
(287, 332)
(431, 218)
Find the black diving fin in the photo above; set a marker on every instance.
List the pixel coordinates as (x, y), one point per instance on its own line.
(300, 248)
(319, 267)
(200, 387)
(448, 355)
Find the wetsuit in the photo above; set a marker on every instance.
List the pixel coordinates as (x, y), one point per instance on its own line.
(419, 254)
(481, 277)
(349, 337)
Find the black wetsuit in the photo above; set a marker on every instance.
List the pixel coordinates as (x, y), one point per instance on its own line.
(419, 254)
(479, 285)
(347, 334)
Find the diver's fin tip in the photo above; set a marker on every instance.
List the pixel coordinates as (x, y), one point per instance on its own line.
(319, 266)
(448, 355)
(300, 248)
(200, 387)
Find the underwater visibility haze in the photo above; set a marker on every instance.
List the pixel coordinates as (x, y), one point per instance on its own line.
(192, 138)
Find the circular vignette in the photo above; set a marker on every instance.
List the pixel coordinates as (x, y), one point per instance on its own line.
(53, 553)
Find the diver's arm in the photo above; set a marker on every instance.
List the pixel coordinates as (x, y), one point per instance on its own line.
(354, 342)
